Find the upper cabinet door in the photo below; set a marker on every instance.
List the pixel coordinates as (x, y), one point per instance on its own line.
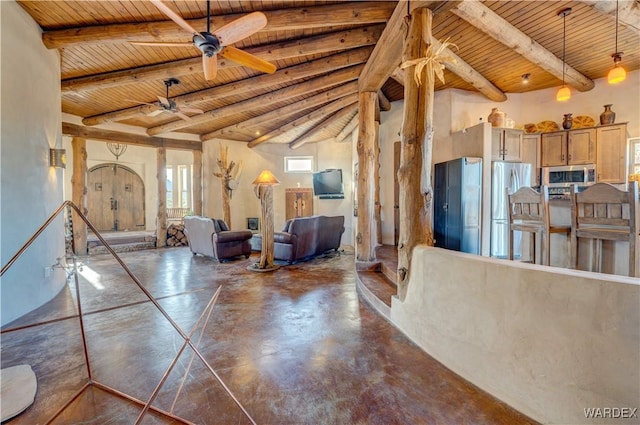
(554, 148)
(581, 146)
(611, 153)
(506, 144)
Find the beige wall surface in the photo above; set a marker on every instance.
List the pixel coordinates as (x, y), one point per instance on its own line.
(244, 202)
(548, 341)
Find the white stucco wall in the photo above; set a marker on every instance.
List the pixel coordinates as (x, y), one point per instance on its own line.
(31, 190)
(550, 342)
(244, 202)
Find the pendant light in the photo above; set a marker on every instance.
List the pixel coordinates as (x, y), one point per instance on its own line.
(564, 93)
(617, 73)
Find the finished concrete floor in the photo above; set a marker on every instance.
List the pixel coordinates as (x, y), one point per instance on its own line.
(294, 346)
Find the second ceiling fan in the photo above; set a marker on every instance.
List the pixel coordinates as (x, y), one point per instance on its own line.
(218, 42)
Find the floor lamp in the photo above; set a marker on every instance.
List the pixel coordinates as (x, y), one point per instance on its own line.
(263, 186)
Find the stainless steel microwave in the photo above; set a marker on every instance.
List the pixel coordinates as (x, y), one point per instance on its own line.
(565, 176)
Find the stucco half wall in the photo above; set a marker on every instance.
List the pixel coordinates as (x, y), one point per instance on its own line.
(550, 342)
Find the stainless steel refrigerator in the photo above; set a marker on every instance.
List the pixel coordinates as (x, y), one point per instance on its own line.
(457, 202)
(511, 175)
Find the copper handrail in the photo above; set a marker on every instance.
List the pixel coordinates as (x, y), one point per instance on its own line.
(187, 338)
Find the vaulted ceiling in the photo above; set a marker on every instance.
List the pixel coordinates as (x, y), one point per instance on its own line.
(319, 49)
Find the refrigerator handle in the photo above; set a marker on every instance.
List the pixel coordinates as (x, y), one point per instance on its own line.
(516, 180)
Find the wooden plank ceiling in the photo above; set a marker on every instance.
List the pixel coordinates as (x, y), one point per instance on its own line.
(319, 49)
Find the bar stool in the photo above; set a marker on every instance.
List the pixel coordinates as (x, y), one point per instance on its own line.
(605, 213)
(528, 211)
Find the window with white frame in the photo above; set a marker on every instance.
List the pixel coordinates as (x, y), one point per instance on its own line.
(634, 145)
(298, 164)
(179, 186)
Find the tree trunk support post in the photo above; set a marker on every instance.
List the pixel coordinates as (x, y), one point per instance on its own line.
(161, 228)
(414, 174)
(367, 147)
(79, 194)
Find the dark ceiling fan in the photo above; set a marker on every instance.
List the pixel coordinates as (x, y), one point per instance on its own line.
(169, 105)
(218, 42)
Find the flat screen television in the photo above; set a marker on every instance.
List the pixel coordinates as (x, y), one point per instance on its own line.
(327, 184)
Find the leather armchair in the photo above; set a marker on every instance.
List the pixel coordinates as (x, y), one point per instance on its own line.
(212, 238)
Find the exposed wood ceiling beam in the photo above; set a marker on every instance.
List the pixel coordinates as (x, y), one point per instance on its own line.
(495, 26)
(93, 133)
(338, 77)
(471, 76)
(398, 76)
(285, 111)
(282, 76)
(347, 129)
(277, 20)
(383, 102)
(323, 125)
(388, 51)
(312, 116)
(337, 40)
(628, 12)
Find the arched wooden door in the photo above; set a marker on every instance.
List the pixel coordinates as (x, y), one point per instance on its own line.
(115, 198)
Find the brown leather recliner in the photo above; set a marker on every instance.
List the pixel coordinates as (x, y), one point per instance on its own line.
(212, 238)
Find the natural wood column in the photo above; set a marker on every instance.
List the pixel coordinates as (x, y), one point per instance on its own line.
(265, 193)
(367, 148)
(197, 183)
(414, 174)
(79, 194)
(161, 226)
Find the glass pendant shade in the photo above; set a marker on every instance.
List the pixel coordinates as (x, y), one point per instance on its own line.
(616, 75)
(563, 94)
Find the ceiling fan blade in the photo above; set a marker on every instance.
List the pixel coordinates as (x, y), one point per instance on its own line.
(241, 28)
(247, 59)
(183, 116)
(155, 113)
(163, 44)
(164, 101)
(192, 110)
(174, 17)
(210, 66)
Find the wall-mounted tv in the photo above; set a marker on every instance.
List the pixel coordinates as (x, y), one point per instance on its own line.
(327, 184)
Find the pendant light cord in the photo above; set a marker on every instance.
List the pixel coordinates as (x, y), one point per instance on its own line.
(616, 52)
(564, 42)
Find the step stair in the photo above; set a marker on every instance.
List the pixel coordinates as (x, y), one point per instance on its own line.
(377, 289)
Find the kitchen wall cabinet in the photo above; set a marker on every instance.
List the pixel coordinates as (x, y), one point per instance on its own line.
(506, 144)
(573, 147)
(611, 158)
(531, 155)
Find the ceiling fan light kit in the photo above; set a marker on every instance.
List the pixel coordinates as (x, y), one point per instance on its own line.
(564, 93)
(617, 73)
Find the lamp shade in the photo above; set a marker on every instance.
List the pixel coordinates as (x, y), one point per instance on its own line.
(266, 177)
(616, 75)
(563, 94)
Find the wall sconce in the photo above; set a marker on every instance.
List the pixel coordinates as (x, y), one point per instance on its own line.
(58, 158)
(264, 190)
